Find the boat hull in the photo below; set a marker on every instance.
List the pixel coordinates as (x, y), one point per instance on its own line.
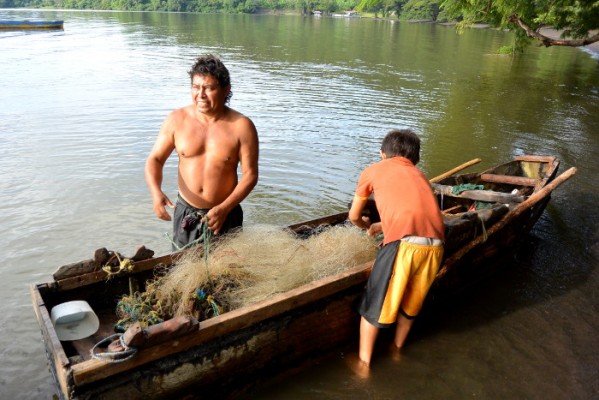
(271, 336)
(241, 348)
(30, 25)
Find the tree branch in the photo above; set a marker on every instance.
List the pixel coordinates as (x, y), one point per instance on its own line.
(547, 41)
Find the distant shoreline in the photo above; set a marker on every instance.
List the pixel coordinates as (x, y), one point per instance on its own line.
(592, 48)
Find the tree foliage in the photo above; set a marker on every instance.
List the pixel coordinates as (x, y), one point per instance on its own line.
(421, 9)
(404, 9)
(579, 19)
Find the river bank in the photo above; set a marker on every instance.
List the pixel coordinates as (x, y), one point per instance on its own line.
(593, 48)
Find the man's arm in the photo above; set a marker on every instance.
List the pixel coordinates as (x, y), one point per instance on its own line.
(163, 147)
(248, 158)
(355, 212)
(356, 218)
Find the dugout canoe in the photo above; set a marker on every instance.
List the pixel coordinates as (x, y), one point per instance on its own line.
(30, 25)
(237, 350)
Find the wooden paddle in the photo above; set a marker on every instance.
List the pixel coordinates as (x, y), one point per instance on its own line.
(456, 169)
(515, 212)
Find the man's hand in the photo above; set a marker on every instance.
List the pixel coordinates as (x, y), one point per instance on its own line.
(366, 221)
(160, 202)
(375, 229)
(216, 218)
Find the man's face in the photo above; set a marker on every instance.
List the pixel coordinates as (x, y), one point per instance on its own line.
(207, 95)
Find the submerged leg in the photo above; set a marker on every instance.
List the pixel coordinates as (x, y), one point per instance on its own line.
(403, 328)
(368, 335)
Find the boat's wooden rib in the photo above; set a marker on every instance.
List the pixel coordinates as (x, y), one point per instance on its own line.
(550, 160)
(535, 198)
(510, 180)
(455, 170)
(480, 195)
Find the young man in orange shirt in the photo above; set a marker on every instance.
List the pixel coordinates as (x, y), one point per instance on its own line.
(412, 251)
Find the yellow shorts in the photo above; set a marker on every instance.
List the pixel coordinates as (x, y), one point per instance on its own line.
(399, 282)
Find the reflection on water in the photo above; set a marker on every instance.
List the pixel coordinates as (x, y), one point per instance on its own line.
(81, 108)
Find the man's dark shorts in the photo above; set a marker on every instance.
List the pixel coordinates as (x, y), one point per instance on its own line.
(188, 227)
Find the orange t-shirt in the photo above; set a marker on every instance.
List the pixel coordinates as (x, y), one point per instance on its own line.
(404, 199)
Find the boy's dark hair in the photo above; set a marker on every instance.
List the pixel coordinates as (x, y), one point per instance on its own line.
(209, 64)
(402, 142)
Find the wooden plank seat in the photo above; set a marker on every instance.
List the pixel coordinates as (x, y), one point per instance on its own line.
(480, 195)
(535, 158)
(510, 180)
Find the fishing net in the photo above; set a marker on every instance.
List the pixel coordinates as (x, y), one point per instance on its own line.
(252, 265)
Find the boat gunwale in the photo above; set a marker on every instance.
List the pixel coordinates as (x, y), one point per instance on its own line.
(60, 367)
(93, 370)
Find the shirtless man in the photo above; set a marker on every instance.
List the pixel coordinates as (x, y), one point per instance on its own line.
(212, 140)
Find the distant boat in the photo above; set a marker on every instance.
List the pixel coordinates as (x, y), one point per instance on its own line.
(348, 14)
(16, 25)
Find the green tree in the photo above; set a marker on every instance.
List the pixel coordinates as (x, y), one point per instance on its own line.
(421, 9)
(579, 19)
(385, 7)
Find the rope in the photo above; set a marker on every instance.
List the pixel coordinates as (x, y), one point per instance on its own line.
(201, 295)
(205, 237)
(124, 265)
(138, 308)
(114, 357)
(482, 223)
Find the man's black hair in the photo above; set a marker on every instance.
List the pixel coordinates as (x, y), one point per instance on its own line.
(209, 64)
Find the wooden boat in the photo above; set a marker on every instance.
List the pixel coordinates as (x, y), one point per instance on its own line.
(236, 350)
(26, 24)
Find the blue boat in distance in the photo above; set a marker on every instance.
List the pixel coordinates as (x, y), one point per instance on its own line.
(24, 24)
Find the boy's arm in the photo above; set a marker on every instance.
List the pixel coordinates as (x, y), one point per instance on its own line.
(355, 212)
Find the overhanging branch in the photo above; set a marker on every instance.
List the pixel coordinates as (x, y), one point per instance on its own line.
(547, 41)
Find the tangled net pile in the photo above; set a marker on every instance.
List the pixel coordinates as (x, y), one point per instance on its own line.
(249, 266)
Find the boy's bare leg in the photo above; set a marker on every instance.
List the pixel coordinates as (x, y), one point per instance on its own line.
(368, 335)
(401, 331)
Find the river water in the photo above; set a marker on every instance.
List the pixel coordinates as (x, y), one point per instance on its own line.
(81, 107)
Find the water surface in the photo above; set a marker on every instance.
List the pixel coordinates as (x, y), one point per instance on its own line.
(81, 108)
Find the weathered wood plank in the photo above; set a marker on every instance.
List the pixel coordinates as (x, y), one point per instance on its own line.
(481, 195)
(532, 158)
(328, 220)
(97, 276)
(101, 258)
(455, 170)
(60, 363)
(510, 180)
